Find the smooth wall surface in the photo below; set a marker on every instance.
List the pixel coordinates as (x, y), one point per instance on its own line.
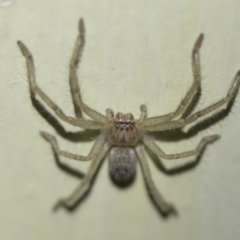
(136, 52)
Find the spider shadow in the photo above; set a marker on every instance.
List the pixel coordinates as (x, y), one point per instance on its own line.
(64, 167)
(79, 136)
(171, 172)
(179, 135)
(82, 198)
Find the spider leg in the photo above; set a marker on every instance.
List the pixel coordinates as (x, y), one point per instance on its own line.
(196, 68)
(93, 153)
(143, 115)
(192, 118)
(156, 195)
(109, 114)
(148, 141)
(73, 79)
(87, 124)
(85, 185)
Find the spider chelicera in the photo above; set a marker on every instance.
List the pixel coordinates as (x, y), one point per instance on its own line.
(121, 134)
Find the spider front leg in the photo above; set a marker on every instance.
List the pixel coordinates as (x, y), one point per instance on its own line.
(192, 118)
(157, 150)
(85, 185)
(73, 79)
(165, 207)
(196, 68)
(86, 124)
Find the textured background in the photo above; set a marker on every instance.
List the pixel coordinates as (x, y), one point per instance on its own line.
(136, 52)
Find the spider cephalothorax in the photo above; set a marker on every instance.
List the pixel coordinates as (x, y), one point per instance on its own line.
(123, 130)
(122, 135)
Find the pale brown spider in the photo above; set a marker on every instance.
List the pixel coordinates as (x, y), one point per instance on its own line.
(123, 135)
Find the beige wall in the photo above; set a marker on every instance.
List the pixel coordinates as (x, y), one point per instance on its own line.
(136, 52)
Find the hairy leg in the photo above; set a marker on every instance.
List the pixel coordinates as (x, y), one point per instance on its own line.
(86, 124)
(157, 197)
(148, 141)
(73, 79)
(99, 142)
(143, 116)
(85, 185)
(109, 114)
(192, 118)
(191, 92)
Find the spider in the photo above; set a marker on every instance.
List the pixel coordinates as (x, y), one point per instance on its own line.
(122, 135)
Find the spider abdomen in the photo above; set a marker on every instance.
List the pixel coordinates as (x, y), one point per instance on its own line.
(122, 164)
